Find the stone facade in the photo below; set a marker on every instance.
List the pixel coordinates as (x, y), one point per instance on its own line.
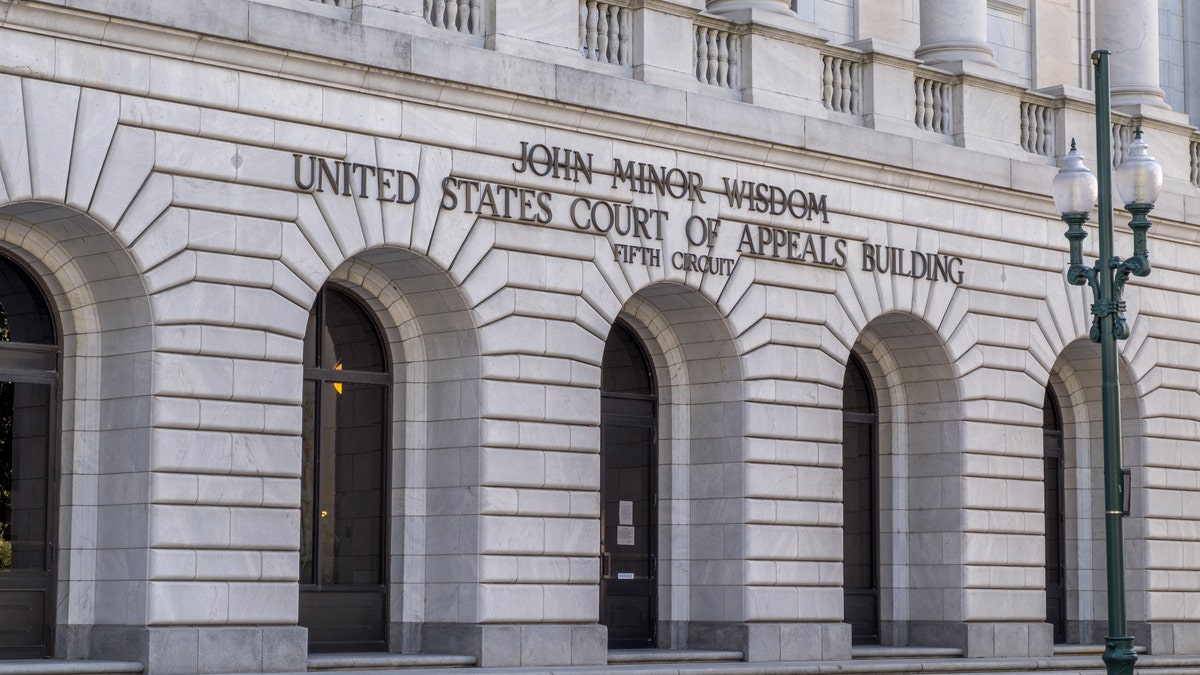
(757, 191)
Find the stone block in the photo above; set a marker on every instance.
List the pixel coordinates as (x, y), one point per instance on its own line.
(511, 602)
(1041, 639)
(589, 645)
(183, 602)
(492, 645)
(545, 29)
(663, 49)
(171, 564)
(256, 602)
(835, 641)
(171, 651)
(284, 648)
(187, 525)
(50, 140)
(229, 649)
(938, 634)
(570, 602)
(542, 645)
(724, 635)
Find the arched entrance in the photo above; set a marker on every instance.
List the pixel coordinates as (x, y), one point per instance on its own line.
(29, 357)
(1056, 544)
(628, 489)
(343, 596)
(860, 503)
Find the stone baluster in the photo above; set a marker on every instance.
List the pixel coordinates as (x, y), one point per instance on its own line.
(601, 36)
(702, 54)
(593, 17)
(614, 34)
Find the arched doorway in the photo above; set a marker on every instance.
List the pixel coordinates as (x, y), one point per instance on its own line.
(343, 502)
(29, 357)
(1056, 545)
(860, 503)
(628, 489)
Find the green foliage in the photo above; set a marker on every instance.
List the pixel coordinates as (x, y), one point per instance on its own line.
(5, 554)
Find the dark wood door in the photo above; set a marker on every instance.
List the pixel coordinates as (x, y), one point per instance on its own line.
(627, 582)
(628, 493)
(860, 529)
(27, 489)
(29, 358)
(1056, 586)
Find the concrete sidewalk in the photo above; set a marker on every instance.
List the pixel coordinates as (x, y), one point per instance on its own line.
(1068, 660)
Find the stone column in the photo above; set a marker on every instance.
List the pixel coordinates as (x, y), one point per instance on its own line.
(1128, 29)
(726, 6)
(954, 30)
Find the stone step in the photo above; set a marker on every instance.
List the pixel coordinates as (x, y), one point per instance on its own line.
(384, 661)
(880, 652)
(1084, 650)
(68, 667)
(627, 656)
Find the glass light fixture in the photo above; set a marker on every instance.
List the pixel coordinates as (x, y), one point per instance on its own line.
(1074, 188)
(1139, 177)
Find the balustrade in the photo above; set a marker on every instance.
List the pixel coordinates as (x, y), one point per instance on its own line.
(606, 36)
(1037, 128)
(841, 84)
(604, 31)
(1195, 163)
(1122, 136)
(718, 56)
(462, 16)
(935, 105)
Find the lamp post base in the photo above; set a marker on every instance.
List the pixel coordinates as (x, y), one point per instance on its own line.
(1119, 655)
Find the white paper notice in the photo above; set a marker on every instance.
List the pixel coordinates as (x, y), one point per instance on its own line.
(625, 513)
(625, 535)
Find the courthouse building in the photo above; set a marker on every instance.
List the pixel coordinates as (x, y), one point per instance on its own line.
(526, 329)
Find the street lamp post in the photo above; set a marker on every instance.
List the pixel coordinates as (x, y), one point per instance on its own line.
(1075, 189)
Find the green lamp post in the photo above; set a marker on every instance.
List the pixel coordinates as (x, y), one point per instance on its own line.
(1075, 190)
